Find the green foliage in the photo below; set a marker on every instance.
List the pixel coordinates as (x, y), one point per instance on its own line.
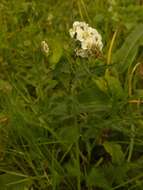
(96, 178)
(115, 152)
(57, 51)
(66, 122)
(126, 55)
(13, 182)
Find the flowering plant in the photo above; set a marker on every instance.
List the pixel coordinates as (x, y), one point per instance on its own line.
(89, 38)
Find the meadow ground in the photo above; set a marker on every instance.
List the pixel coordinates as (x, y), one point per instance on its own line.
(69, 122)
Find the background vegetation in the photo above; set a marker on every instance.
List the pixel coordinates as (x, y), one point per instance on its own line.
(68, 123)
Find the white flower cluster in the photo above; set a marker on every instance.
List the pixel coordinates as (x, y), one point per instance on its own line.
(45, 47)
(89, 38)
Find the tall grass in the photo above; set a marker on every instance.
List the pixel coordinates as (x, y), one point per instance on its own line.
(69, 123)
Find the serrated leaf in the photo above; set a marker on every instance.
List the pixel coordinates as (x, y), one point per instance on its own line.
(115, 152)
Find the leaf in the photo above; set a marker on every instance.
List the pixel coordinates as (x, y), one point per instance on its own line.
(92, 94)
(115, 152)
(125, 56)
(114, 86)
(101, 83)
(72, 169)
(110, 170)
(60, 109)
(69, 134)
(57, 52)
(12, 182)
(96, 178)
(92, 99)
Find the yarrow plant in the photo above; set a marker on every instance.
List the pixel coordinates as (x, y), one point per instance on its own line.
(45, 47)
(89, 38)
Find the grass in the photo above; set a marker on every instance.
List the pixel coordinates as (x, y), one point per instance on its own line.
(70, 123)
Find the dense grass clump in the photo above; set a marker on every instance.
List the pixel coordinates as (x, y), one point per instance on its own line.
(70, 122)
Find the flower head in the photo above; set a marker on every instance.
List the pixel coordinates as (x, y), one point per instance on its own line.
(45, 47)
(89, 38)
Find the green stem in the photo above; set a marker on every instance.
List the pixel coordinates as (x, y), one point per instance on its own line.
(131, 146)
(78, 165)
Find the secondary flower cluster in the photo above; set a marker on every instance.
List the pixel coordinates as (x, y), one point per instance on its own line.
(90, 41)
(89, 38)
(45, 47)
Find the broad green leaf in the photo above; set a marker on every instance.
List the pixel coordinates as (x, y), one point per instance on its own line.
(101, 83)
(125, 56)
(111, 169)
(115, 152)
(56, 55)
(96, 178)
(114, 86)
